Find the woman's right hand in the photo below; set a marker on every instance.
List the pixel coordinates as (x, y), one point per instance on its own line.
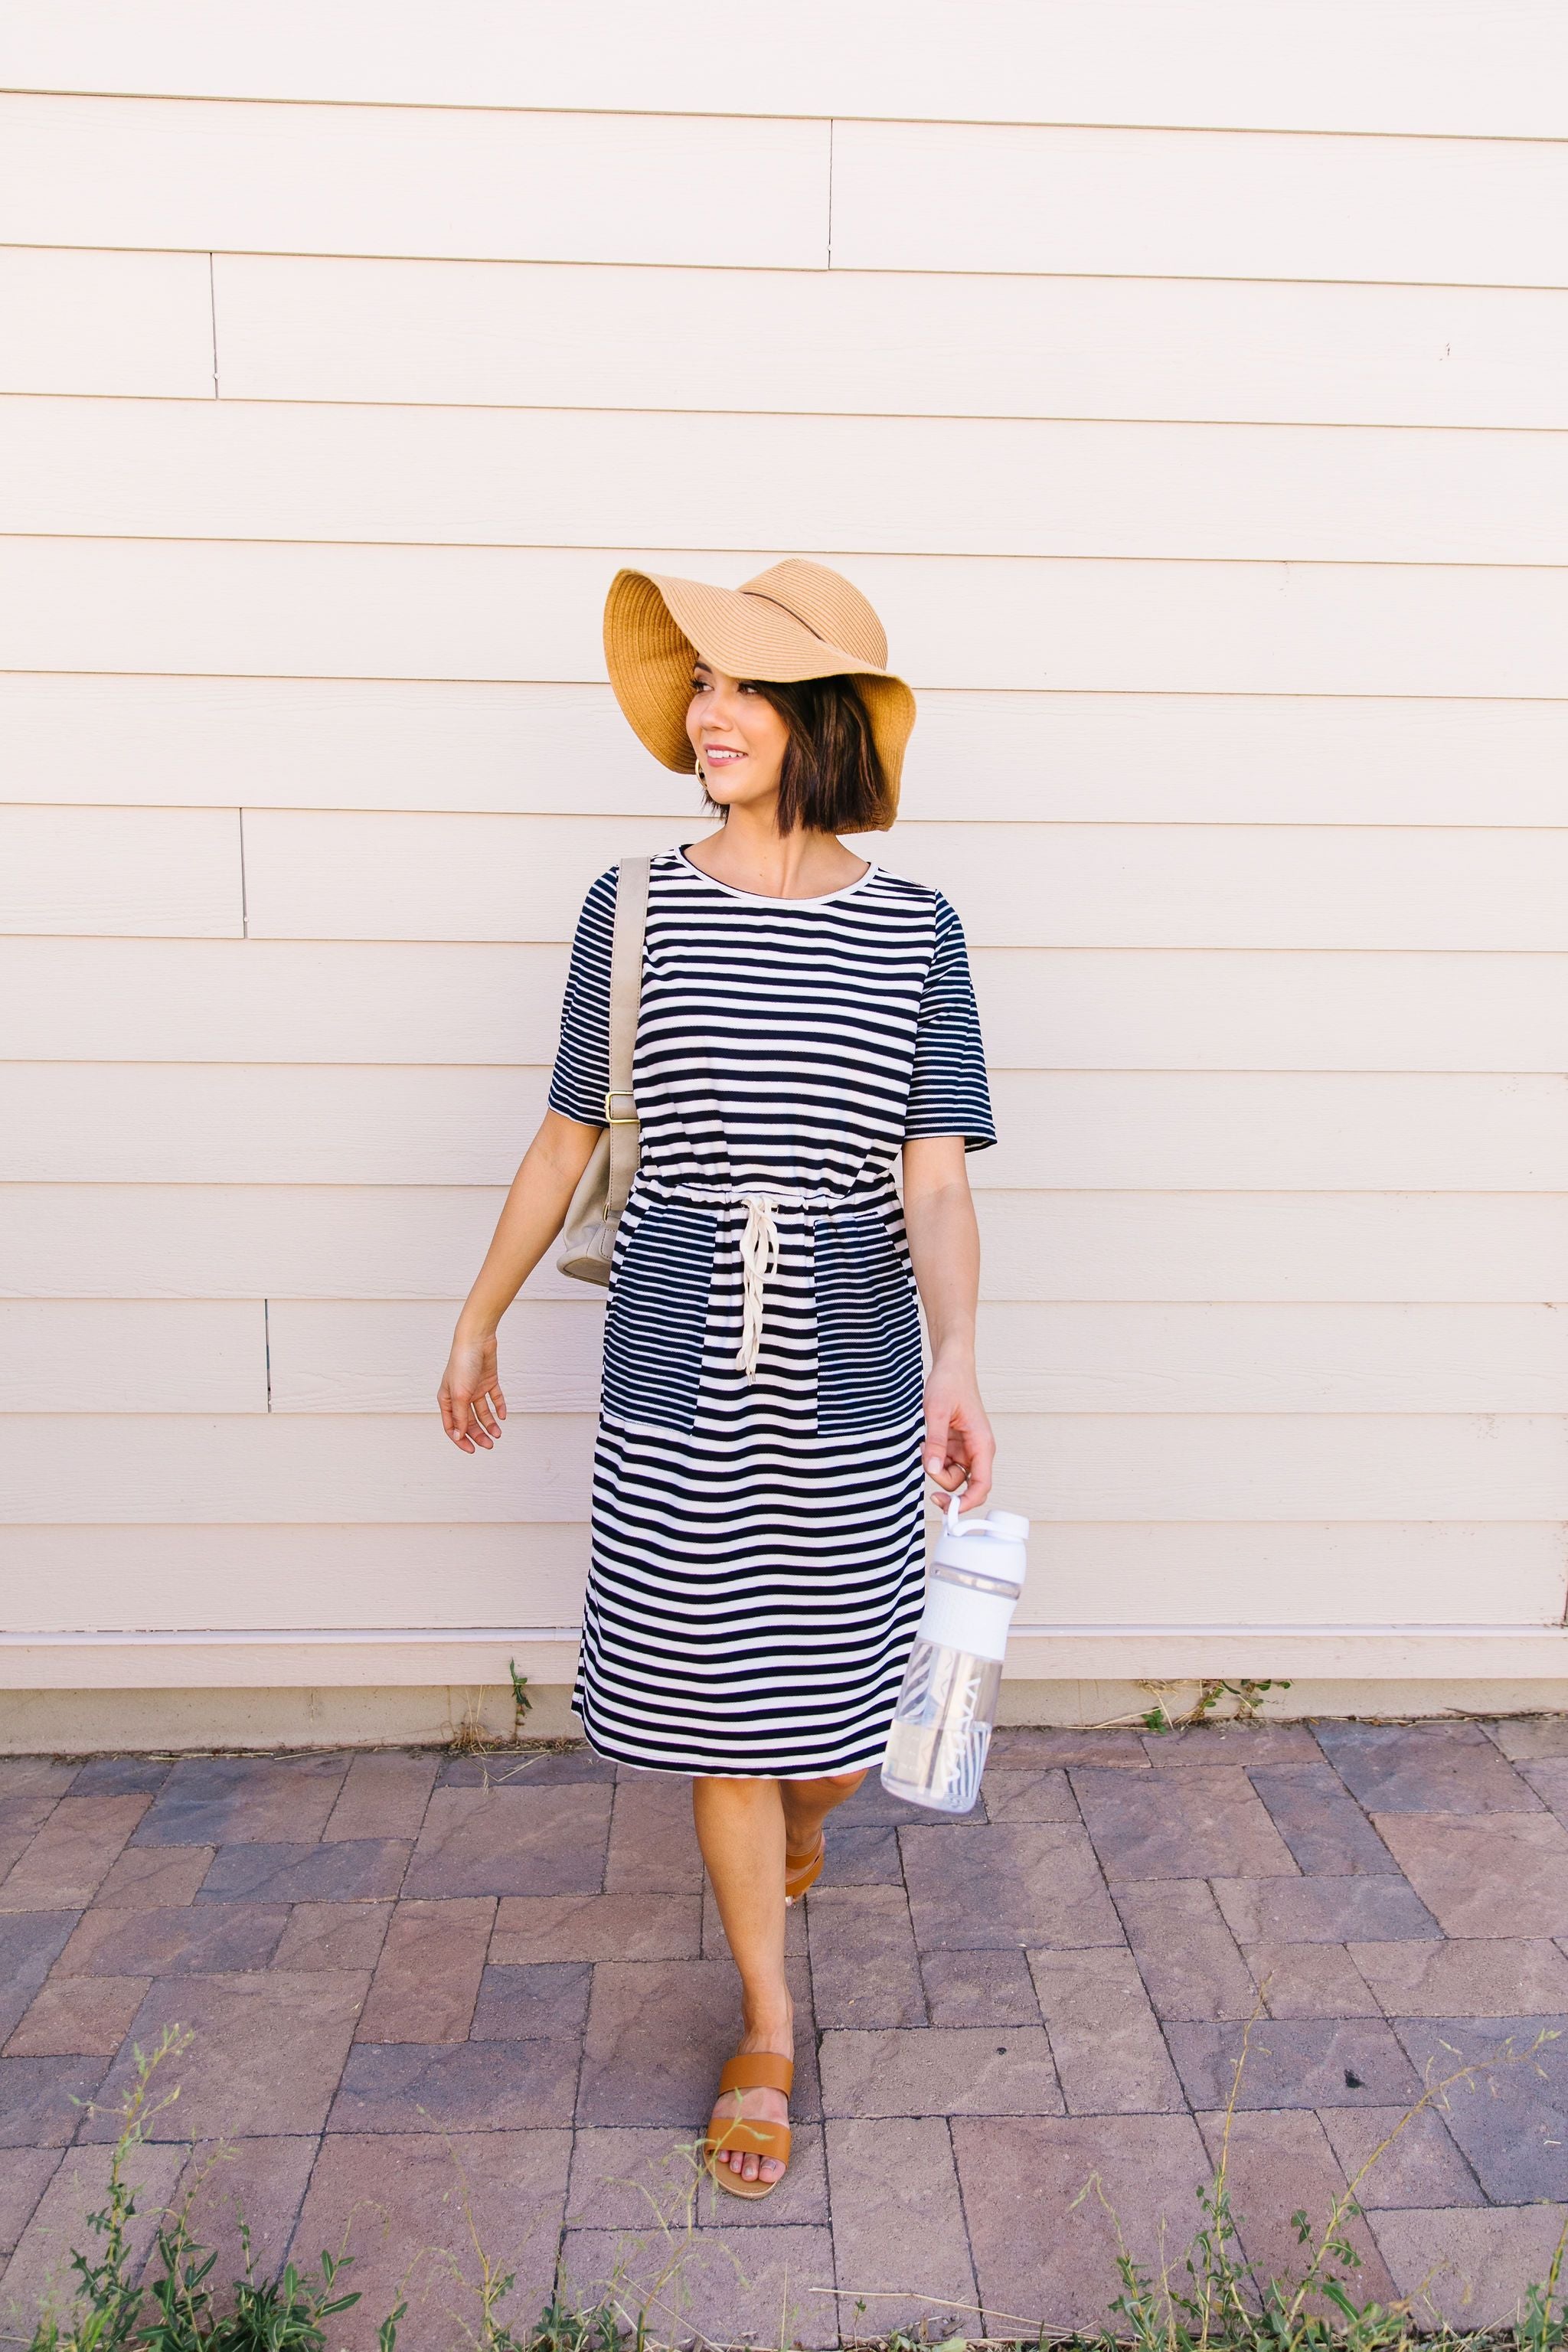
(473, 1405)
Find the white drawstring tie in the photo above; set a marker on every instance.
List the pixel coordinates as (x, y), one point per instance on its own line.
(759, 1259)
(760, 1239)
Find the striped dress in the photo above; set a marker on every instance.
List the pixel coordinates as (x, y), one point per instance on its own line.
(757, 1560)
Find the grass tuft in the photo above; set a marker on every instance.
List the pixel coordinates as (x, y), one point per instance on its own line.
(1247, 1695)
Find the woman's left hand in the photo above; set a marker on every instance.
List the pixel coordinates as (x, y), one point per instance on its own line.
(958, 1445)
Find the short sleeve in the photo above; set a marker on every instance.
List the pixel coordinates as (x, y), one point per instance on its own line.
(581, 1076)
(948, 1090)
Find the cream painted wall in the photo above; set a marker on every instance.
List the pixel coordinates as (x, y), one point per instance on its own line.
(1192, 403)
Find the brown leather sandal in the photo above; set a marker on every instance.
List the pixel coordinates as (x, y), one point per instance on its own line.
(756, 2070)
(797, 1881)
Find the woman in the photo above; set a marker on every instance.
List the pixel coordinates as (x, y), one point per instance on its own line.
(757, 1560)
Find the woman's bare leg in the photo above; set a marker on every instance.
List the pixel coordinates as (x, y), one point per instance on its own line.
(806, 1805)
(741, 1828)
(744, 1828)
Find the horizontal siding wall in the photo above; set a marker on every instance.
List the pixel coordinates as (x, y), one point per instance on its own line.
(289, 471)
(1191, 404)
(1051, 755)
(347, 1355)
(1470, 67)
(1088, 625)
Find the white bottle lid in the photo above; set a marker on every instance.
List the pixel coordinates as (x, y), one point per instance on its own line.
(992, 1546)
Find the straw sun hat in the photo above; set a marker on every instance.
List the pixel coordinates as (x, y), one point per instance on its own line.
(796, 621)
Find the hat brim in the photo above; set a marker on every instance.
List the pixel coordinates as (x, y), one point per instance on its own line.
(655, 626)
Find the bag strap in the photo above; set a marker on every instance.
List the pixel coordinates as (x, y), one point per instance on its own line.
(626, 1003)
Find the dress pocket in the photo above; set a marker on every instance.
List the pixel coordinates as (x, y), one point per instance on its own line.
(659, 1316)
(868, 1372)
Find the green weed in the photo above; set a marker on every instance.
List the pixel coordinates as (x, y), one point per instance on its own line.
(520, 1701)
(175, 2308)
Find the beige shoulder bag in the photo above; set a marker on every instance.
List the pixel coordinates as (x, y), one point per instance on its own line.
(588, 1235)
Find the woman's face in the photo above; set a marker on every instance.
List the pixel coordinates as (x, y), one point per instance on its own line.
(739, 738)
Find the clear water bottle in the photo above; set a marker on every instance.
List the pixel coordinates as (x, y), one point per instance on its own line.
(941, 1724)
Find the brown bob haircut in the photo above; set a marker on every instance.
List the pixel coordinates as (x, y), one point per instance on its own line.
(832, 780)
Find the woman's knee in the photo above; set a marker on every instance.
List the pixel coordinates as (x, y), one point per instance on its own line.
(732, 1789)
(836, 1785)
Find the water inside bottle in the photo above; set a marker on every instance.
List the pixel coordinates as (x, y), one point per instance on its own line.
(941, 1729)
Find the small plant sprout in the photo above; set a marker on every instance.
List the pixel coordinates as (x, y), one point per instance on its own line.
(520, 1701)
(106, 2306)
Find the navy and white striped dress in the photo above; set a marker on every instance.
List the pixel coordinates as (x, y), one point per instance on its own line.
(757, 1561)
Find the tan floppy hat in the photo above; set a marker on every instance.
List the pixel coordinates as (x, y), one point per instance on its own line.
(796, 621)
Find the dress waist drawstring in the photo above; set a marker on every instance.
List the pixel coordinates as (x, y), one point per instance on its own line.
(759, 1259)
(760, 1239)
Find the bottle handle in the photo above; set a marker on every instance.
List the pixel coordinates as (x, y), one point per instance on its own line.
(952, 1497)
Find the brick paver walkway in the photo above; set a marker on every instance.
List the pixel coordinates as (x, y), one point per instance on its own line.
(403, 1972)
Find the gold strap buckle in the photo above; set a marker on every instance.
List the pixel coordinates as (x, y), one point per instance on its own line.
(625, 1119)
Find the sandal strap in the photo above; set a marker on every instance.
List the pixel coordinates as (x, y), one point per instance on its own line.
(741, 2134)
(758, 2070)
(797, 1880)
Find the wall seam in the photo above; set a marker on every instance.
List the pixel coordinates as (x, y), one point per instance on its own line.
(1190, 125)
(830, 128)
